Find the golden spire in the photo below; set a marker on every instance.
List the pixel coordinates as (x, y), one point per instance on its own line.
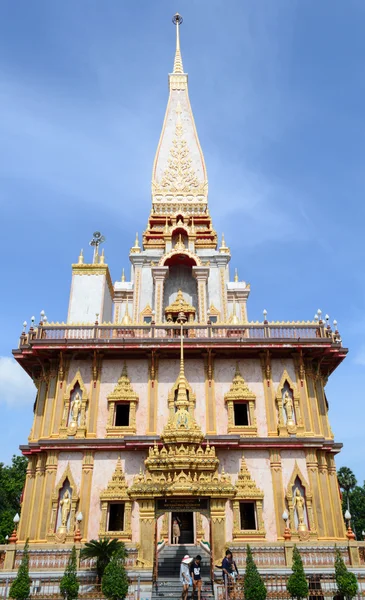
(182, 397)
(136, 248)
(223, 249)
(167, 229)
(235, 276)
(178, 66)
(123, 275)
(102, 258)
(235, 319)
(126, 319)
(81, 258)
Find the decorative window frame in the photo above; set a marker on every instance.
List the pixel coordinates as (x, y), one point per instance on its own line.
(246, 489)
(52, 535)
(117, 491)
(312, 533)
(122, 393)
(80, 431)
(283, 428)
(146, 312)
(239, 392)
(214, 312)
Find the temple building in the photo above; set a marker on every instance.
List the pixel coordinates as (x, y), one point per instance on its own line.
(159, 401)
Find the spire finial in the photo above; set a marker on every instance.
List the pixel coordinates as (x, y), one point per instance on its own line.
(235, 275)
(136, 248)
(81, 257)
(178, 66)
(182, 398)
(123, 275)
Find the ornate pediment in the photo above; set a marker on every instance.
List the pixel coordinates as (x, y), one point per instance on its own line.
(239, 389)
(123, 391)
(246, 488)
(117, 487)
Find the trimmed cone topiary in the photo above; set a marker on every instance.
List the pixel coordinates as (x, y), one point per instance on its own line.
(297, 584)
(346, 582)
(114, 583)
(20, 588)
(253, 587)
(69, 586)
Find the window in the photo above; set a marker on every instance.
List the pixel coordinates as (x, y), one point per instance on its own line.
(213, 319)
(240, 414)
(116, 517)
(248, 515)
(122, 415)
(147, 320)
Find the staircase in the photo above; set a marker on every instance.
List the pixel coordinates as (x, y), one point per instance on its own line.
(168, 584)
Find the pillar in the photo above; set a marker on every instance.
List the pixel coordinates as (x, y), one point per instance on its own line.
(159, 275)
(147, 530)
(278, 490)
(23, 529)
(94, 396)
(265, 359)
(325, 494)
(50, 400)
(313, 406)
(201, 275)
(85, 490)
(218, 525)
(37, 495)
(318, 509)
(138, 264)
(222, 262)
(39, 407)
(303, 394)
(60, 390)
(45, 503)
(322, 407)
(340, 530)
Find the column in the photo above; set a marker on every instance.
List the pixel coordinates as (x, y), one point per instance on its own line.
(265, 359)
(138, 264)
(85, 490)
(303, 393)
(45, 504)
(322, 407)
(147, 531)
(50, 400)
(39, 408)
(94, 396)
(318, 509)
(313, 406)
(152, 394)
(278, 490)
(23, 529)
(222, 262)
(201, 275)
(61, 387)
(218, 524)
(37, 495)
(340, 530)
(325, 493)
(159, 275)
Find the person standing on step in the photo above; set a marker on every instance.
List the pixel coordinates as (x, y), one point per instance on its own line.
(185, 576)
(229, 571)
(175, 532)
(196, 576)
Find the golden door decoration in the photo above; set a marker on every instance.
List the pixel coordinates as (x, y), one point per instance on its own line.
(123, 392)
(246, 489)
(239, 392)
(117, 491)
(74, 409)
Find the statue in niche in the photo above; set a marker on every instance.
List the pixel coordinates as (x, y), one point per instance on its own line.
(65, 505)
(75, 408)
(289, 409)
(299, 507)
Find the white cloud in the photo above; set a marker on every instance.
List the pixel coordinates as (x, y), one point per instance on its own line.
(16, 387)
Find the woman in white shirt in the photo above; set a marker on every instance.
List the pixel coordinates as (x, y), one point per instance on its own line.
(185, 576)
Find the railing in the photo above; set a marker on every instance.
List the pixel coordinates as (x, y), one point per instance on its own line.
(46, 589)
(294, 332)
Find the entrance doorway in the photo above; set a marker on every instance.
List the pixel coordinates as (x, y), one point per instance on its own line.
(186, 523)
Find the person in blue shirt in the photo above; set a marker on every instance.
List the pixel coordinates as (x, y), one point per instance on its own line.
(229, 570)
(195, 574)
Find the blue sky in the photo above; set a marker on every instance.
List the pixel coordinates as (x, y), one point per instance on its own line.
(278, 94)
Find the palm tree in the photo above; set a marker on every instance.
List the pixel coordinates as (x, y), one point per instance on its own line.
(103, 550)
(347, 481)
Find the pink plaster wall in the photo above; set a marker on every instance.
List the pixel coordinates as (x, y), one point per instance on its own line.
(138, 375)
(258, 464)
(288, 460)
(75, 461)
(250, 369)
(104, 467)
(278, 366)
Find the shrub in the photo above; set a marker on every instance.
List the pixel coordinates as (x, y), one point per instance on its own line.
(297, 584)
(69, 586)
(254, 587)
(114, 583)
(20, 588)
(346, 581)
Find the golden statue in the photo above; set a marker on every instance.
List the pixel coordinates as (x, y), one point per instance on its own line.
(299, 506)
(65, 510)
(75, 408)
(289, 409)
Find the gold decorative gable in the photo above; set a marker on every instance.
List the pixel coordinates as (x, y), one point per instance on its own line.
(117, 492)
(179, 305)
(240, 392)
(123, 392)
(246, 489)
